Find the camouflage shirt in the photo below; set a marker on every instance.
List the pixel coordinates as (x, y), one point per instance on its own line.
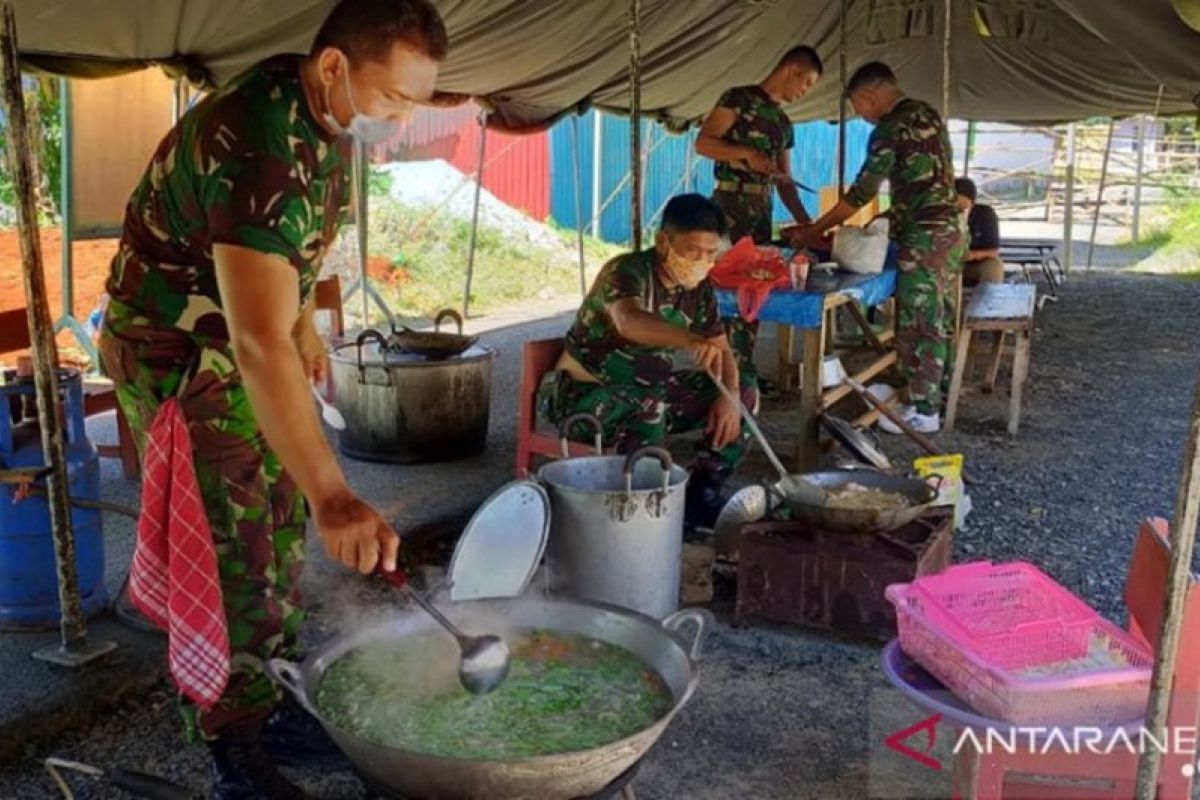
(759, 122)
(910, 147)
(593, 340)
(248, 166)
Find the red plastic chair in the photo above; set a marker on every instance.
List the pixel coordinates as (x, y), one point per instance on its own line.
(537, 358)
(1031, 775)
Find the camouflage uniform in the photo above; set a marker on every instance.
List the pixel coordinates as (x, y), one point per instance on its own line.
(745, 196)
(910, 147)
(248, 166)
(640, 397)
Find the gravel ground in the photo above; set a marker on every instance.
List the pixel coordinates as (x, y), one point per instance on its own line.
(791, 715)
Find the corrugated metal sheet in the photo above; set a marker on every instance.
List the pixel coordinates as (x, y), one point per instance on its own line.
(814, 162)
(516, 168)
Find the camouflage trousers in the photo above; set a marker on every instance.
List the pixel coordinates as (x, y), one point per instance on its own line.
(255, 510)
(929, 264)
(634, 416)
(745, 215)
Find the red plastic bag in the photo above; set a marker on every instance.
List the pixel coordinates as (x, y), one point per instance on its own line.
(753, 272)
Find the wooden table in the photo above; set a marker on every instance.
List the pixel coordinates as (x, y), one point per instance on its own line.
(808, 312)
(1042, 253)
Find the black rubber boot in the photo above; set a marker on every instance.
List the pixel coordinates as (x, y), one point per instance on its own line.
(242, 770)
(293, 737)
(704, 499)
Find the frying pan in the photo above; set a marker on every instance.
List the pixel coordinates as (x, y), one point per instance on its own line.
(920, 496)
(435, 345)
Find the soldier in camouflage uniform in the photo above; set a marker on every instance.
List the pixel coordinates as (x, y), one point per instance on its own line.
(910, 148)
(618, 361)
(223, 241)
(749, 136)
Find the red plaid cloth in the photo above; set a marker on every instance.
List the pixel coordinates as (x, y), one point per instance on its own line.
(174, 579)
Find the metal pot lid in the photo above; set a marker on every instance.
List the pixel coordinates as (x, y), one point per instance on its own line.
(853, 440)
(502, 545)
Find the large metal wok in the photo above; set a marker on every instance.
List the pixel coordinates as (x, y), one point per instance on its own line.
(552, 777)
(919, 494)
(433, 344)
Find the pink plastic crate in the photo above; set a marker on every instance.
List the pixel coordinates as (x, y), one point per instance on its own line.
(980, 628)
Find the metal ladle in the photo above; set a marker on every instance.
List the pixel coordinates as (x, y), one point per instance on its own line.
(793, 486)
(484, 660)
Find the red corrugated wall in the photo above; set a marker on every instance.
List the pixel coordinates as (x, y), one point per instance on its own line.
(516, 168)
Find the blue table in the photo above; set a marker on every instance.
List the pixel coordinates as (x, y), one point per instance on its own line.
(807, 311)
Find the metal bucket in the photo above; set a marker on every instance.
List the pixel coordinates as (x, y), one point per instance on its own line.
(616, 529)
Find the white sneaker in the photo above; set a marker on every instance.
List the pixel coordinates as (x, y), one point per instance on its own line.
(921, 423)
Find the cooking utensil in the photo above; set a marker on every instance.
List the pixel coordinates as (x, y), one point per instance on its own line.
(922, 441)
(780, 177)
(791, 485)
(502, 545)
(748, 504)
(855, 442)
(484, 659)
(561, 776)
(404, 408)
(333, 418)
(138, 784)
(919, 494)
(435, 345)
(616, 529)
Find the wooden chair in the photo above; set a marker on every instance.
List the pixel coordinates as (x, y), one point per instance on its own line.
(537, 358)
(1032, 773)
(1003, 308)
(328, 297)
(99, 395)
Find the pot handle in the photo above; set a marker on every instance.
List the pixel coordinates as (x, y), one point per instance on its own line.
(582, 416)
(703, 619)
(448, 313)
(650, 451)
(362, 339)
(287, 675)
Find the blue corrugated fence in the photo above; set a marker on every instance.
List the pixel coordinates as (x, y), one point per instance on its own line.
(814, 162)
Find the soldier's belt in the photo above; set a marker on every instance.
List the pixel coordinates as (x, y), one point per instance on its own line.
(743, 188)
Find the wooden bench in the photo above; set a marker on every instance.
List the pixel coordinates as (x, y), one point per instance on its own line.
(1002, 308)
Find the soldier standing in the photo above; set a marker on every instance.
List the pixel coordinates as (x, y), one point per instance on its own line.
(910, 148)
(211, 294)
(749, 136)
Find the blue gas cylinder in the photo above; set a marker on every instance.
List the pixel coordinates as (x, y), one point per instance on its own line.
(28, 579)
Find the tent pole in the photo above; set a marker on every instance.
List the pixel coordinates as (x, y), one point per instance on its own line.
(1141, 162)
(357, 186)
(66, 190)
(635, 122)
(1182, 541)
(1112, 122)
(946, 62)
(1069, 201)
(970, 146)
(74, 650)
(578, 204)
(483, 115)
(597, 172)
(688, 166)
(840, 182)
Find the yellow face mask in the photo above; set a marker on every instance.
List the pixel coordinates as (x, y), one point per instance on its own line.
(686, 272)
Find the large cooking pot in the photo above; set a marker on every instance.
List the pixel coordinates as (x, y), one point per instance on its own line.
(406, 408)
(616, 527)
(552, 777)
(919, 494)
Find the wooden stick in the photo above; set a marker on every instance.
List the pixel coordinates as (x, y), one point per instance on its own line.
(923, 441)
(41, 334)
(1183, 540)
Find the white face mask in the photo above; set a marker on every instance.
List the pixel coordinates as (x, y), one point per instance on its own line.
(367, 130)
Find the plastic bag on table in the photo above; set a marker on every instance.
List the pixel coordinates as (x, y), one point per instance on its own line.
(753, 272)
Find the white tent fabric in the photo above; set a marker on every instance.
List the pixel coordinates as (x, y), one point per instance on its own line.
(533, 60)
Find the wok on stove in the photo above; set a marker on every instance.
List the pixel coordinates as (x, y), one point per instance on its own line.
(551, 777)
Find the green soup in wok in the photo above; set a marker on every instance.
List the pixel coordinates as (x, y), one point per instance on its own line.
(562, 694)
